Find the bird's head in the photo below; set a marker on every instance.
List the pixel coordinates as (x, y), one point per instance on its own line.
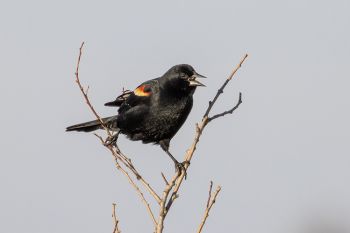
(183, 78)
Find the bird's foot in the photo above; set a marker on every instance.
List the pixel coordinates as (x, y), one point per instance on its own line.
(180, 167)
(111, 140)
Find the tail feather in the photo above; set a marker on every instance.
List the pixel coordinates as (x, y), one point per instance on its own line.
(94, 125)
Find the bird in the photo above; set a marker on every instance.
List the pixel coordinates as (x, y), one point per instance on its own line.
(154, 111)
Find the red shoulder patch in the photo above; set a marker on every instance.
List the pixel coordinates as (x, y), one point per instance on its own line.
(143, 90)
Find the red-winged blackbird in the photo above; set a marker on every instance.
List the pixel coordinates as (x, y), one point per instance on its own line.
(154, 111)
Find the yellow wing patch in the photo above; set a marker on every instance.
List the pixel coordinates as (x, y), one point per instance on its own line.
(143, 90)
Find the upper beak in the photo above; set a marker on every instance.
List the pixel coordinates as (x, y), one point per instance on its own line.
(194, 82)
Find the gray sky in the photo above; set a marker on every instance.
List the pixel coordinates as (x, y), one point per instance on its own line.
(282, 158)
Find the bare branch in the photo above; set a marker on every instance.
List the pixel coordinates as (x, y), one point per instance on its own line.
(139, 192)
(133, 184)
(199, 130)
(210, 203)
(115, 220)
(127, 162)
(77, 80)
(188, 157)
(163, 209)
(228, 111)
(115, 150)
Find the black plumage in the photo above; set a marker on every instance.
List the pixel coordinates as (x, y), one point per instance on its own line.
(155, 110)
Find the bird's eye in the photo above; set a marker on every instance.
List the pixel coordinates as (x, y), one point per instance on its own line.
(183, 75)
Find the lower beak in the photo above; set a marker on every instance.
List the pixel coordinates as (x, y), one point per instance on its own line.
(194, 82)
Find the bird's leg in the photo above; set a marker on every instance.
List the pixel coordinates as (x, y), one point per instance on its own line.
(179, 167)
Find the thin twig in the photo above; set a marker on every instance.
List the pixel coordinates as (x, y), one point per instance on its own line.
(115, 220)
(137, 174)
(228, 111)
(77, 80)
(221, 89)
(148, 207)
(210, 203)
(210, 190)
(127, 163)
(165, 180)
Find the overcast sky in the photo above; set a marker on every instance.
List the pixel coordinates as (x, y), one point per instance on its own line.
(282, 158)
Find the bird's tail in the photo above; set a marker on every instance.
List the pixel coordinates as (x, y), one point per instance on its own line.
(110, 122)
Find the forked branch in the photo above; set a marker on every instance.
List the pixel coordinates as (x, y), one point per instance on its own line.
(211, 201)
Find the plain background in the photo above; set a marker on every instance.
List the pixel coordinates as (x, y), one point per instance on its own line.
(282, 157)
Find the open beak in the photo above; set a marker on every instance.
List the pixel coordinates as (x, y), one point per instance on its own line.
(194, 82)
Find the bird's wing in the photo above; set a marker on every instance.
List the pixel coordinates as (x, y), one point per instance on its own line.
(120, 99)
(133, 98)
(143, 90)
(136, 107)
